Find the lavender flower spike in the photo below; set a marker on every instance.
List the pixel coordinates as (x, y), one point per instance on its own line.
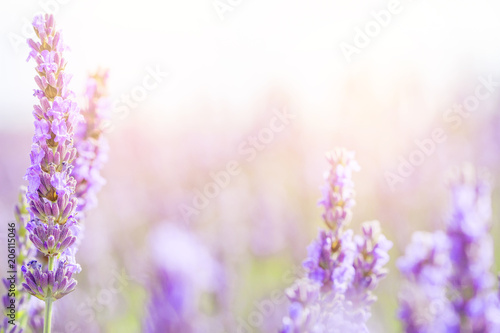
(471, 250)
(51, 188)
(342, 270)
(51, 196)
(331, 255)
(91, 145)
(338, 192)
(424, 306)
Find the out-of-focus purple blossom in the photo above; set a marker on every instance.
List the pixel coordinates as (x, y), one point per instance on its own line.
(330, 260)
(471, 252)
(183, 271)
(426, 259)
(452, 271)
(342, 270)
(314, 311)
(424, 306)
(303, 310)
(371, 256)
(338, 191)
(90, 142)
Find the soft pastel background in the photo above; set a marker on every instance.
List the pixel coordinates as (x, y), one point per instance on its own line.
(226, 77)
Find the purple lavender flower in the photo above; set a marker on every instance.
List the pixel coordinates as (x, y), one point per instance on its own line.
(90, 143)
(49, 283)
(51, 188)
(371, 257)
(341, 271)
(338, 192)
(451, 271)
(50, 238)
(424, 306)
(303, 310)
(331, 256)
(330, 260)
(471, 252)
(51, 199)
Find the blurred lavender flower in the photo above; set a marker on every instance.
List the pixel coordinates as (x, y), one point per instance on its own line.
(330, 260)
(303, 310)
(90, 143)
(452, 271)
(184, 271)
(471, 250)
(338, 191)
(424, 306)
(342, 271)
(331, 255)
(371, 257)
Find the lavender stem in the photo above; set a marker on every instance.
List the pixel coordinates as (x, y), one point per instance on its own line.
(48, 304)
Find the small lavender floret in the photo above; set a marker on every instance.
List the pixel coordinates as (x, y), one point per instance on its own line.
(51, 239)
(45, 284)
(330, 260)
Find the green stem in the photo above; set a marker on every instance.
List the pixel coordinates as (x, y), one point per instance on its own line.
(48, 304)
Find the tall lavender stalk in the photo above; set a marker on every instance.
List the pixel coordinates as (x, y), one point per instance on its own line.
(51, 188)
(342, 269)
(471, 252)
(90, 143)
(452, 269)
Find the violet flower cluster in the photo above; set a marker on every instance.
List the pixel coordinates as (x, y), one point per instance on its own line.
(450, 271)
(342, 269)
(52, 203)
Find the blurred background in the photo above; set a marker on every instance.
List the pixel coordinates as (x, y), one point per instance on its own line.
(196, 84)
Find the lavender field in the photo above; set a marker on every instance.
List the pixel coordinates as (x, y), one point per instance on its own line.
(243, 166)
